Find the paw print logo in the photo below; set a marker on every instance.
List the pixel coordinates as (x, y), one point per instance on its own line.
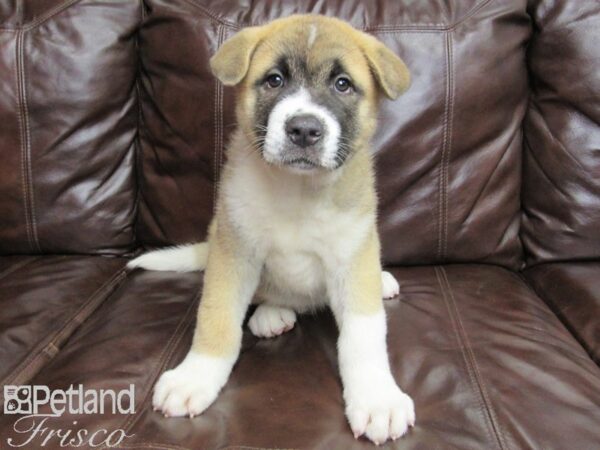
(17, 399)
(11, 406)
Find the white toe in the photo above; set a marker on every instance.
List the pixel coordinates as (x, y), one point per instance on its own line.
(191, 387)
(378, 429)
(389, 285)
(380, 414)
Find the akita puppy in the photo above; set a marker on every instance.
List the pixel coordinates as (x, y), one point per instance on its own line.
(295, 226)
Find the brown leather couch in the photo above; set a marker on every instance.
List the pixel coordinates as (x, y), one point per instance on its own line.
(112, 136)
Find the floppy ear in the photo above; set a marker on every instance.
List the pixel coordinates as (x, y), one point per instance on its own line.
(230, 63)
(389, 70)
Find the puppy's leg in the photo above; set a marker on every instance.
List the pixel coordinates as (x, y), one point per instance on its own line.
(270, 321)
(230, 281)
(375, 405)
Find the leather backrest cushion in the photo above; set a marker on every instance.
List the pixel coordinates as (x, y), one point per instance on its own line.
(561, 186)
(68, 121)
(448, 151)
(182, 135)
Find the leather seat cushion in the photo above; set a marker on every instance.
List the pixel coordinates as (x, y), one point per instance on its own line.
(42, 301)
(573, 292)
(486, 361)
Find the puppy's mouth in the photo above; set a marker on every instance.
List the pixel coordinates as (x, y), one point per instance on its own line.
(290, 157)
(301, 164)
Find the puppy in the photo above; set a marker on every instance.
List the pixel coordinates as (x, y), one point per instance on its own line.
(295, 223)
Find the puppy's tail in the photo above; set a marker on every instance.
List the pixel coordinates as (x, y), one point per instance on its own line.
(184, 258)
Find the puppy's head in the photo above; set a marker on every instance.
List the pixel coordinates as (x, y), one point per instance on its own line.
(309, 88)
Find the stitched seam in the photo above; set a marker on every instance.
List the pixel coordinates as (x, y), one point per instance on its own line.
(222, 113)
(520, 276)
(43, 18)
(138, 173)
(470, 360)
(138, 139)
(386, 28)
(445, 157)
(215, 134)
(15, 267)
(51, 350)
(20, 12)
(476, 8)
(218, 117)
(21, 132)
(443, 179)
(480, 379)
(208, 13)
(245, 447)
(20, 118)
(449, 47)
(50, 339)
(441, 171)
(152, 445)
(440, 26)
(425, 27)
(409, 30)
(107, 289)
(30, 189)
(164, 359)
(53, 337)
(431, 26)
(462, 350)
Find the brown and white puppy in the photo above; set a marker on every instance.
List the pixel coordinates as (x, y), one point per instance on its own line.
(295, 227)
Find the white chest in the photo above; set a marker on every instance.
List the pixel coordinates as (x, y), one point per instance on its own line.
(300, 236)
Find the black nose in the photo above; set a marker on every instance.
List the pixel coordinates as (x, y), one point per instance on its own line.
(304, 130)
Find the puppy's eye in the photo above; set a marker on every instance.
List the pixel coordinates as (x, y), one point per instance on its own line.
(274, 81)
(343, 85)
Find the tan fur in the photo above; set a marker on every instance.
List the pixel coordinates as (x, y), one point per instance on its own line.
(241, 60)
(217, 333)
(296, 240)
(364, 282)
(231, 63)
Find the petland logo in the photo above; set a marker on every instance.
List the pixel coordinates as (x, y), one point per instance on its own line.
(34, 427)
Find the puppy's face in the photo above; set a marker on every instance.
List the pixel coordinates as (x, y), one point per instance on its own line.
(309, 87)
(305, 109)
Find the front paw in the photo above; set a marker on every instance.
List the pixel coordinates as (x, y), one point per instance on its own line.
(191, 387)
(381, 412)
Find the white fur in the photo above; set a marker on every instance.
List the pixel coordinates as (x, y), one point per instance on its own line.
(389, 285)
(185, 258)
(301, 236)
(301, 103)
(190, 388)
(271, 321)
(375, 405)
(305, 244)
(305, 270)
